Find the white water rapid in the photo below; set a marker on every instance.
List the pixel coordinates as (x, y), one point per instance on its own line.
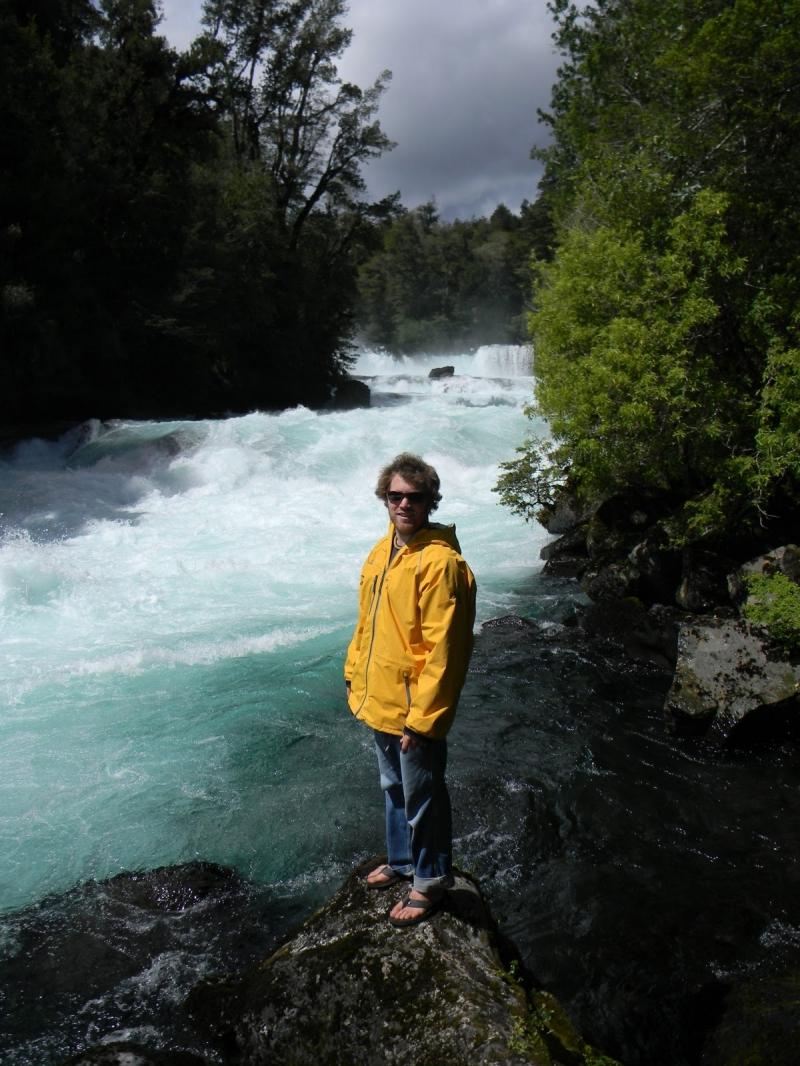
(176, 599)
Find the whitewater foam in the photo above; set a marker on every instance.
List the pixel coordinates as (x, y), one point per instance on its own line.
(164, 583)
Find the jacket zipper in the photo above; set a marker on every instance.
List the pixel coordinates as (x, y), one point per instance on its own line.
(376, 601)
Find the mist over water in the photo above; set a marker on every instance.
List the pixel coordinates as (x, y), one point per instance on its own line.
(176, 599)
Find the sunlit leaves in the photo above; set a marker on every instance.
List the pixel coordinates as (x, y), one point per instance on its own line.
(666, 327)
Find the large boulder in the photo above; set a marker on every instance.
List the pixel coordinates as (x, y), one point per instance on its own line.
(349, 393)
(727, 672)
(348, 989)
(442, 372)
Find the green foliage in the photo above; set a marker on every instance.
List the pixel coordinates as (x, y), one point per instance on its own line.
(178, 233)
(624, 339)
(529, 482)
(665, 326)
(774, 602)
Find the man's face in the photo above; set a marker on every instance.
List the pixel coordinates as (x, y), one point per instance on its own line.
(410, 512)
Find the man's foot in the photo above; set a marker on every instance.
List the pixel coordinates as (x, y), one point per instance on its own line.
(415, 908)
(383, 877)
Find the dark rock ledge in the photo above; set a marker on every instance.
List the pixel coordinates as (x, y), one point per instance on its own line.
(348, 989)
(682, 612)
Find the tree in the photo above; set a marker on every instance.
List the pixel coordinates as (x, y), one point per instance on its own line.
(179, 233)
(666, 325)
(436, 286)
(97, 205)
(299, 137)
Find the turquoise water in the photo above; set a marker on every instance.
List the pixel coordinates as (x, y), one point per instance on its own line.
(176, 599)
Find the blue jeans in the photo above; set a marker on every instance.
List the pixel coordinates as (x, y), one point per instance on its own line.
(418, 819)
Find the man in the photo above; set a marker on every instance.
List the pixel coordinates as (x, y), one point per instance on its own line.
(404, 671)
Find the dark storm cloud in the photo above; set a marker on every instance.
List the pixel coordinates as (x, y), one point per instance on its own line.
(468, 76)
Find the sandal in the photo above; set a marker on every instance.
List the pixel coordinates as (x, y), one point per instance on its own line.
(390, 877)
(426, 908)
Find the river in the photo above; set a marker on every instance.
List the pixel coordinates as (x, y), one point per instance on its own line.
(176, 599)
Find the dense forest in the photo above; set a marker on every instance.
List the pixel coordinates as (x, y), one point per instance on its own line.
(180, 232)
(665, 324)
(439, 286)
(188, 233)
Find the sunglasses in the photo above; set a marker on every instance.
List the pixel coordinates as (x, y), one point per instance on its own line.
(412, 497)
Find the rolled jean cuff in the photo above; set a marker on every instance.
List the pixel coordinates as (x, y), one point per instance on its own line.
(433, 886)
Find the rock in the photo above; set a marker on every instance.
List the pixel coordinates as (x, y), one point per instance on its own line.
(564, 514)
(646, 636)
(350, 990)
(784, 560)
(612, 582)
(704, 582)
(566, 556)
(658, 568)
(618, 524)
(726, 672)
(760, 1024)
(442, 372)
(348, 394)
(127, 1054)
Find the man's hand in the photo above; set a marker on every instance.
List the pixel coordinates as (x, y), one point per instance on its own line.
(408, 743)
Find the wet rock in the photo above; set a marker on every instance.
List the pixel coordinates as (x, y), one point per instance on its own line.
(644, 635)
(760, 1024)
(349, 989)
(566, 556)
(442, 372)
(727, 671)
(127, 1054)
(507, 622)
(116, 956)
(348, 394)
(612, 582)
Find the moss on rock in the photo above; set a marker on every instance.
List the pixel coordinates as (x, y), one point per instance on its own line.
(350, 989)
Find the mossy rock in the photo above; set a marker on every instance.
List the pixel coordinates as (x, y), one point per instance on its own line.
(348, 989)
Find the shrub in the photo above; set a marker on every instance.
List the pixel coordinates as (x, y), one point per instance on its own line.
(774, 602)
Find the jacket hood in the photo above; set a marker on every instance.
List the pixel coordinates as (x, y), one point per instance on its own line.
(433, 533)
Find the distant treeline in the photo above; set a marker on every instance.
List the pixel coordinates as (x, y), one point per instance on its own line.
(446, 287)
(181, 233)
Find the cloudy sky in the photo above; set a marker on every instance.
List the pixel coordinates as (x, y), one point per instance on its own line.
(468, 76)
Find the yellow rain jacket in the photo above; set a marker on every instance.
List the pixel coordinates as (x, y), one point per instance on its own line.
(410, 650)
